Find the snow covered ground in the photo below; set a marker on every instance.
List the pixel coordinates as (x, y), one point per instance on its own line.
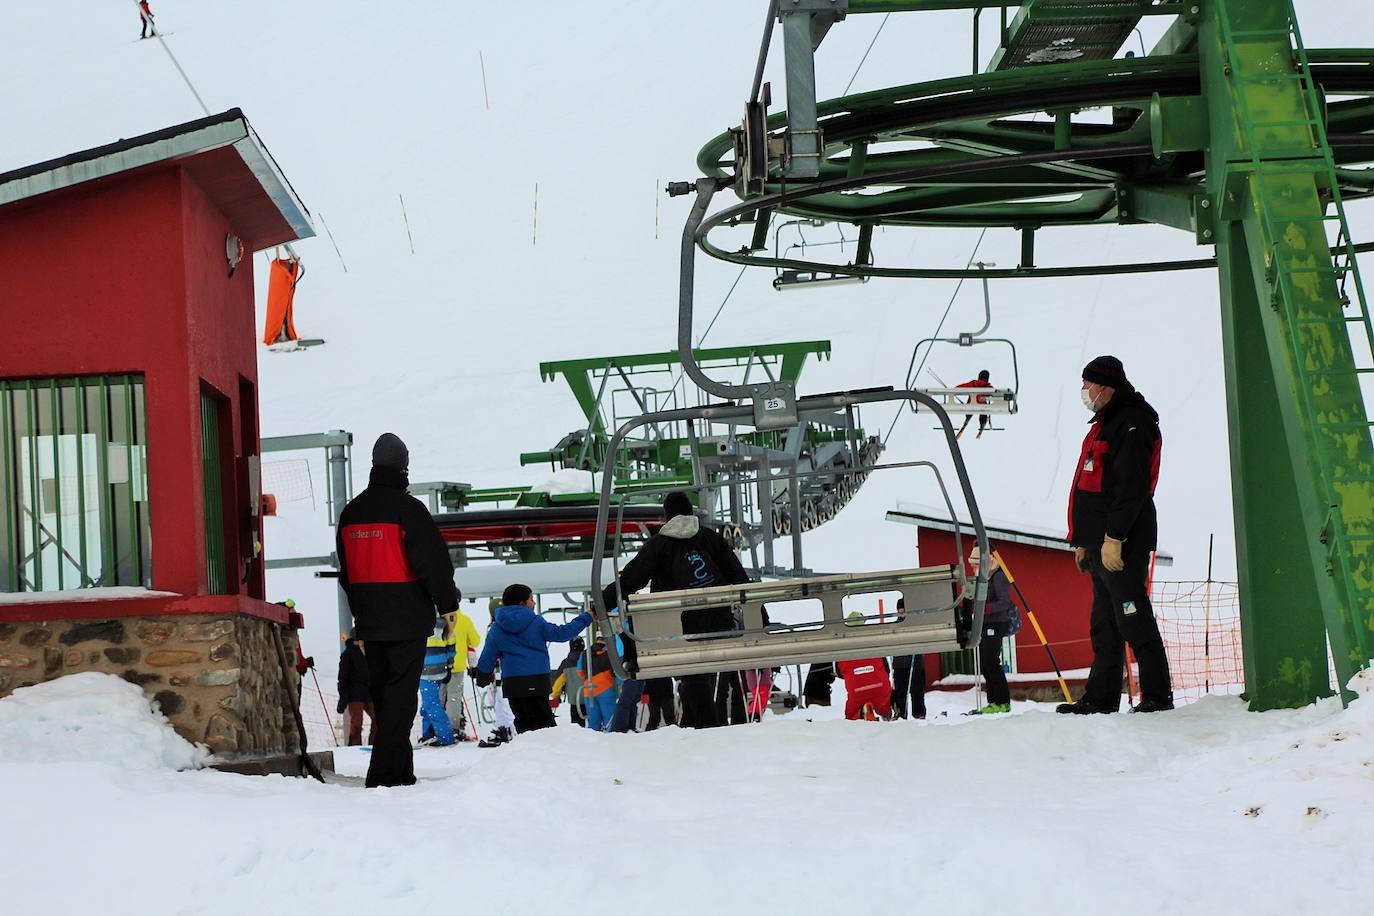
(1207, 809)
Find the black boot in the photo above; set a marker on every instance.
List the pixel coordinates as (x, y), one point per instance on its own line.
(1082, 708)
(498, 738)
(1152, 705)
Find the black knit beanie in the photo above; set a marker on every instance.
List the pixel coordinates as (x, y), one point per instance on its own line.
(390, 452)
(675, 504)
(1106, 370)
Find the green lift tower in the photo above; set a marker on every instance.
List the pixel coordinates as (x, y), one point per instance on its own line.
(1229, 129)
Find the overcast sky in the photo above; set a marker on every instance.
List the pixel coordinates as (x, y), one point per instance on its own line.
(363, 103)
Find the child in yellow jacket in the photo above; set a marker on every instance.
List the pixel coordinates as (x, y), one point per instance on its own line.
(465, 639)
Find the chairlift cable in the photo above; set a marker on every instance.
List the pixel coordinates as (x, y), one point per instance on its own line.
(739, 276)
(319, 215)
(175, 63)
(886, 16)
(938, 328)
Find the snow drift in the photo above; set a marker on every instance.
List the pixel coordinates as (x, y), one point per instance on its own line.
(91, 718)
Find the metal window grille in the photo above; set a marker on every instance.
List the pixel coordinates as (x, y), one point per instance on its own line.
(216, 566)
(73, 484)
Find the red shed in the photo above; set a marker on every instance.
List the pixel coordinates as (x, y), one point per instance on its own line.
(130, 533)
(1042, 562)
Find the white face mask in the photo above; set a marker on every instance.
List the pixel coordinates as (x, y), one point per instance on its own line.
(1087, 400)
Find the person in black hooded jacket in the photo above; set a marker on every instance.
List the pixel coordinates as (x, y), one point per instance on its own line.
(1113, 528)
(396, 571)
(355, 691)
(683, 554)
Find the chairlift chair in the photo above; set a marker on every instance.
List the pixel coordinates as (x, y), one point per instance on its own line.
(931, 620)
(999, 400)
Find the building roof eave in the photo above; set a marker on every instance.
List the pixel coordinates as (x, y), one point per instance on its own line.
(996, 532)
(173, 144)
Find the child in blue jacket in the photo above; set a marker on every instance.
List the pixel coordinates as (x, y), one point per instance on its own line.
(519, 640)
(598, 686)
(435, 728)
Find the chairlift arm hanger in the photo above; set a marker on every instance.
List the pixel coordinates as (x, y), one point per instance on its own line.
(930, 342)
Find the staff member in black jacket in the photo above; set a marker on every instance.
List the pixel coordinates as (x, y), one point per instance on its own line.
(396, 571)
(1113, 529)
(683, 554)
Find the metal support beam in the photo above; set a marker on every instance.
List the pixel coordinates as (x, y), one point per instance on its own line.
(1172, 205)
(803, 157)
(804, 26)
(340, 492)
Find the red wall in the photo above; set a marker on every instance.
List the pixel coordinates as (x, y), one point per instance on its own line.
(128, 274)
(1056, 591)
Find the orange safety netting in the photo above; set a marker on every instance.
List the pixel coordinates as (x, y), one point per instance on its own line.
(281, 293)
(1200, 624)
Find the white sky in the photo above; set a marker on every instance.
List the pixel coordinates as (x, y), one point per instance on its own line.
(362, 102)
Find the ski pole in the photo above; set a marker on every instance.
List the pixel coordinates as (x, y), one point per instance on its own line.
(1039, 633)
(320, 693)
(469, 720)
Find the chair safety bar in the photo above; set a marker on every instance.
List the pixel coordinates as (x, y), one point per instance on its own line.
(974, 400)
(928, 623)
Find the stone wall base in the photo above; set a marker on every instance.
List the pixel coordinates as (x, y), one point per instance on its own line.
(217, 677)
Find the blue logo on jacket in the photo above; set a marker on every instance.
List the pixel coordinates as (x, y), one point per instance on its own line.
(701, 576)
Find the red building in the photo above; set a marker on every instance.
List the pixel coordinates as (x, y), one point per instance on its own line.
(129, 399)
(1043, 565)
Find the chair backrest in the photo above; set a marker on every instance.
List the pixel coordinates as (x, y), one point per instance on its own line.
(927, 625)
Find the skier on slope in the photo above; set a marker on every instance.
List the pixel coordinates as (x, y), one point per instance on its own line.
(465, 643)
(145, 16)
(1000, 620)
(435, 728)
(598, 685)
(908, 680)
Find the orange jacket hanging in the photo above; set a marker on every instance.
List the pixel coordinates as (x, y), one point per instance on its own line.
(281, 293)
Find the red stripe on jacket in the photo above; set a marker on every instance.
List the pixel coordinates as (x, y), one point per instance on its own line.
(1088, 441)
(375, 552)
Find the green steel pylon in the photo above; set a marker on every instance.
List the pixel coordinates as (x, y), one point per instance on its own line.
(1302, 461)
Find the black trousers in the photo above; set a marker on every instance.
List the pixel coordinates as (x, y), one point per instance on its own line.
(1121, 614)
(820, 678)
(909, 679)
(990, 663)
(393, 672)
(698, 702)
(730, 698)
(531, 713)
(662, 710)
